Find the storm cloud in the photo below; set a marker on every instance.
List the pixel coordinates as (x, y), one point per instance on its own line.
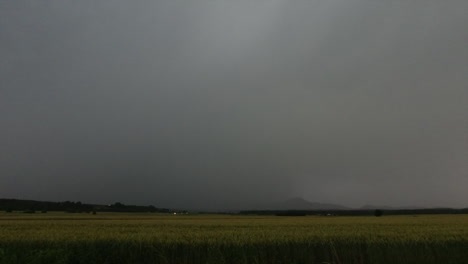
(231, 104)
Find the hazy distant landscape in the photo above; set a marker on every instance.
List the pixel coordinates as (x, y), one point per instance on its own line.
(298, 205)
(234, 105)
(234, 131)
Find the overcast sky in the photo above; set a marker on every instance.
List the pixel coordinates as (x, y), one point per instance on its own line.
(231, 104)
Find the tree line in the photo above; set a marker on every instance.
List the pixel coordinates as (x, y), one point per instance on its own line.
(361, 212)
(31, 206)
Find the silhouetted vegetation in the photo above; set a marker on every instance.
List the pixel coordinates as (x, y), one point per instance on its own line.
(30, 206)
(291, 213)
(355, 212)
(378, 213)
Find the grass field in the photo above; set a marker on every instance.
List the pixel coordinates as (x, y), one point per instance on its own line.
(149, 238)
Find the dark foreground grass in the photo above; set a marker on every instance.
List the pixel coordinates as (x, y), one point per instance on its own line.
(118, 238)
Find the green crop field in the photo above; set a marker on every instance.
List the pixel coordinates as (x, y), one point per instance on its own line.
(150, 238)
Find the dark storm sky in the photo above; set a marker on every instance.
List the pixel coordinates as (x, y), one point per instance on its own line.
(232, 104)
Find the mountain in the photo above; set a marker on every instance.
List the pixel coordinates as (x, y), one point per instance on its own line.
(302, 204)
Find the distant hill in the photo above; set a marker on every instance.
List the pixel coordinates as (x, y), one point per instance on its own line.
(302, 207)
(373, 207)
(302, 204)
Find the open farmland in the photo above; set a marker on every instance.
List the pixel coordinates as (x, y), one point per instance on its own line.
(150, 238)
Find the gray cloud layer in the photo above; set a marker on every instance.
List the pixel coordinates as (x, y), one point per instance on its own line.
(230, 104)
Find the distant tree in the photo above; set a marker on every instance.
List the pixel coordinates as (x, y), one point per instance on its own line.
(94, 212)
(378, 212)
(118, 205)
